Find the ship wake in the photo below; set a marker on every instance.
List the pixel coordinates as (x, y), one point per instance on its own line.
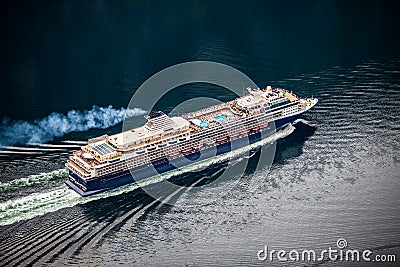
(59, 197)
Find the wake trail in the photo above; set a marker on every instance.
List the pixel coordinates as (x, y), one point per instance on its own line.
(37, 204)
(31, 180)
(74, 142)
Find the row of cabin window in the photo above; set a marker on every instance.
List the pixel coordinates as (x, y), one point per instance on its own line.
(80, 163)
(119, 166)
(292, 110)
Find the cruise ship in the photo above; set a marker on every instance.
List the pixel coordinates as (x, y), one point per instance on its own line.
(166, 143)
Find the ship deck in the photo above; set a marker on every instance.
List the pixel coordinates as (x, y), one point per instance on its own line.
(210, 117)
(291, 97)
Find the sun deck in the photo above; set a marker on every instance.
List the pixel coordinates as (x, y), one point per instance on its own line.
(291, 97)
(210, 117)
(154, 129)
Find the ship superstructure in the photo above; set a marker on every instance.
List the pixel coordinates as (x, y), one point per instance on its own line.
(165, 143)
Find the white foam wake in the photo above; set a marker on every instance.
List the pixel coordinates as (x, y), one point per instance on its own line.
(305, 122)
(33, 179)
(61, 197)
(74, 142)
(57, 124)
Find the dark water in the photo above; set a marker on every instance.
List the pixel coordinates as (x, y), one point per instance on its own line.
(335, 176)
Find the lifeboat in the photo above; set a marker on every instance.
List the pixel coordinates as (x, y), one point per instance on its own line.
(162, 145)
(222, 138)
(235, 134)
(246, 131)
(140, 152)
(182, 139)
(173, 154)
(256, 128)
(173, 141)
(187, 150)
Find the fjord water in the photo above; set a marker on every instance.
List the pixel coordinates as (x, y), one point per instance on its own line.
(335, 175)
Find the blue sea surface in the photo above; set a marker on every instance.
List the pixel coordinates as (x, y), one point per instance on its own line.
(69, 69)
